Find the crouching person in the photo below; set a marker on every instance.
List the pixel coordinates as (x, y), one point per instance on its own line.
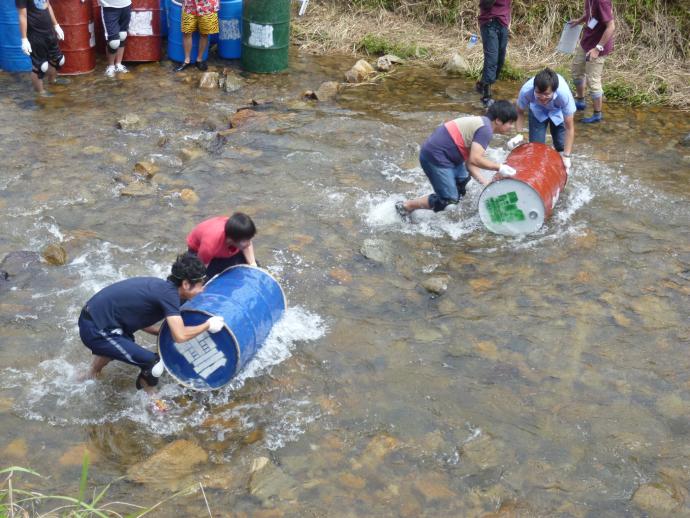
(110, 318)
(454, 153)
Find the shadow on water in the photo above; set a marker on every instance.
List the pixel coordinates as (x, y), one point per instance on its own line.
(550, 378)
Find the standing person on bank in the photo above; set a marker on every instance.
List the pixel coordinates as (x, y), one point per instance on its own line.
(454, 153)
(40, 31)
(595, 45)
(549, 101)
(110, 318)
(494, 25)
(202, 16)
(116, 16)
(222, 242)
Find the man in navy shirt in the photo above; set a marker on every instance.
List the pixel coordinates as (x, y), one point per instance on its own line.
(110, 318)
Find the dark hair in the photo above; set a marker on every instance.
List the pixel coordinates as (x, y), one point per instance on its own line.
(240, 227)
(546, 79)
(504, 111)
(187, 267)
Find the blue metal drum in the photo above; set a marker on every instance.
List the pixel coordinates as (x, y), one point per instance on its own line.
(12, 59)
(175, 48)
(230, 24)
(251, 301)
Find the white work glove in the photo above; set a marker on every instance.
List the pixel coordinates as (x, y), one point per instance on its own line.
(567, 162)
(26, 46)
(58, 31)
(157, 369)
(506, 170)
(215, 324)
(515, 141)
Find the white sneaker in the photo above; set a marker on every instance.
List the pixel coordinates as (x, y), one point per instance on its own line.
(110, 71)
(121, 69)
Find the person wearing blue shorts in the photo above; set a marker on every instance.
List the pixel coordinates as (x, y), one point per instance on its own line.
(110, 318)
(454, 153)
(116, 15)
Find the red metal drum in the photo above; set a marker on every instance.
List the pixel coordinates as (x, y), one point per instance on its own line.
(76, 19)
(98, 29)
(520, 204)
(144, 41)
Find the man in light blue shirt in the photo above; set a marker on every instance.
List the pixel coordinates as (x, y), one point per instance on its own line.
(550, 103)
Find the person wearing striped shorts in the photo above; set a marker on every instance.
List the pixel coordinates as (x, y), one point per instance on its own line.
(201, 16)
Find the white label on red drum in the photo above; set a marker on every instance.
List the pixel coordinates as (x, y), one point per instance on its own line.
(230, 30)
(92, 35)
(141, 23)
(260, 35)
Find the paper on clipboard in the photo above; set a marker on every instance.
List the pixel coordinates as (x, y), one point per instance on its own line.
(569, 38)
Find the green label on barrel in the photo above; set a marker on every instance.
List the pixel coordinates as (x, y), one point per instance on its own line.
(504, 209)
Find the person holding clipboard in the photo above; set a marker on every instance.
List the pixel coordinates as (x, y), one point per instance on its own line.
(595, 45)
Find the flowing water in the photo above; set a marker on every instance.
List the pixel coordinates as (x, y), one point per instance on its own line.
(551, 378)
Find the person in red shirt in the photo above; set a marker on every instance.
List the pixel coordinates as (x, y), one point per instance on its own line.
(222, 242)
(595, 45)
(494, 25)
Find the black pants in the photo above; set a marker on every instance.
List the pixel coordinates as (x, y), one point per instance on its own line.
(217, 265)
(495, 43)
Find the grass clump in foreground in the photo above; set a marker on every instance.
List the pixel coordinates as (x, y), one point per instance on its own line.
(18, 502)
(378, 46)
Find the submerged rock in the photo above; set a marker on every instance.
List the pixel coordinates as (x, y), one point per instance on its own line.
(653, 498)
(359, 72)
(130, 121)
(377, 250)
(232, 81)
(189, 196)
(137, 189)
(436, 285)
(268, 481)
(169, 464)
(209, 80)
(54, 254)
(327, 91)
(147, 169)
(18, 268)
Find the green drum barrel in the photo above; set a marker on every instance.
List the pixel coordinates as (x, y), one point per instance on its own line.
(265, 35)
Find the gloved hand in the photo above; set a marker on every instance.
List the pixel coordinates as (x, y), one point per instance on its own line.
(567, 162)
(26, 46)
(58, 31)
(157, 369)
(506, 170)
(215, 324)
(515, 141)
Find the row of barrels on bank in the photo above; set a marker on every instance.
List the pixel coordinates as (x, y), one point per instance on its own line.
(255, 31)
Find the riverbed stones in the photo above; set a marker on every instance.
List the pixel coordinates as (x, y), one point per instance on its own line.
(145, 168)
(378, 250)
(137, 189)
(359, 72)
(209, 80)
(267, 481)
(341, 275)
(16, 449)
(385, 63)
(232, 81)
(131, 121)
(656, 498)
(169, 465)
(436, 285)
(74, 456)
(188, 154)
(327, 91)
(54, 254)
(685, 141)
(457, 64)
(189, 197)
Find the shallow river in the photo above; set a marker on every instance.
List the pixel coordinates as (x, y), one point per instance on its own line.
(551, 378)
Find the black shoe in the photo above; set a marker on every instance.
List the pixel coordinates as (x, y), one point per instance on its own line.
(487, 101)
(462, 186)
(201, 65)
(182, 66)
(479, 87)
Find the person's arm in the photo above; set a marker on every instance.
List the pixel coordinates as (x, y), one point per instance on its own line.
(569, 122)
(152, 330)
(22, 22)
(608, 34)
(478, 160)
(52, 15)
(182, 333)
(249, 254)
(520, 123)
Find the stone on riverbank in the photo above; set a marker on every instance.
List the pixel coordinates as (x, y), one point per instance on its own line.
(457, 64)
(385, 63)
(359, 72)
(231, 82)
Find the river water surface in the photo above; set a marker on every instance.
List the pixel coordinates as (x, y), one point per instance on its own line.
(551, 378)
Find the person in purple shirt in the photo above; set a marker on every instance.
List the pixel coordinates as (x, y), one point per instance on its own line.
(494, 26)
(595, 45)
(550, 102)
(455, 152)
